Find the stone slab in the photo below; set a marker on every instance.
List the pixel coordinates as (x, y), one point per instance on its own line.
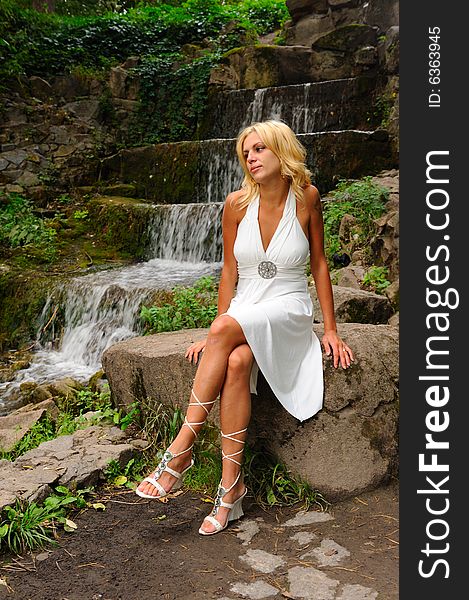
(78, 459)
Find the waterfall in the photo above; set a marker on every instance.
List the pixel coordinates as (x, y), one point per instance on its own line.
(186, 232)
(100, 309)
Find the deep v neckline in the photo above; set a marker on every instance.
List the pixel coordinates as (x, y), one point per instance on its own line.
(284, 212)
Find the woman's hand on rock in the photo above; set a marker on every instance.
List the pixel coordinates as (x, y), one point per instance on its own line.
(192, 353)
(340, 350)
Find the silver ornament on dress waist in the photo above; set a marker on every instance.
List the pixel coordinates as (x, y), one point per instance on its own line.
(267, 269)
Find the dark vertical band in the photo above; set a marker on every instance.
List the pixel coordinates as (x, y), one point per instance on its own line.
(434, 261)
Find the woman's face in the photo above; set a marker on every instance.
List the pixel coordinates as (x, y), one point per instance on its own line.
(260, 160)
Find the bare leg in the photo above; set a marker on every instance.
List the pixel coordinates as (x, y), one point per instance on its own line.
(225, 334)
(235, 413)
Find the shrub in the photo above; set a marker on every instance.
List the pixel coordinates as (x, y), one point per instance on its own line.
(376, 279)
(364, 200)
(20, 228)
(190, 307)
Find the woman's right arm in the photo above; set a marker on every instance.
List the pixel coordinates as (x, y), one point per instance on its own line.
(229, 273)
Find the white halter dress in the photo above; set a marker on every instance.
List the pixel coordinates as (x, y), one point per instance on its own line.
(274, 309)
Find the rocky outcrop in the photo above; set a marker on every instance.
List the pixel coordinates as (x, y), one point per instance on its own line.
(350, 446)
(184, 172)
(313, 18)
(348, 51)
(78, 459)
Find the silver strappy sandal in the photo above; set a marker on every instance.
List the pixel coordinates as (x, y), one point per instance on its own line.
(168, 457)
(236, 507)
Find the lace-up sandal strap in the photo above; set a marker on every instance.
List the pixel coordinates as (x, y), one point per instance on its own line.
(192, 424)
(229, 436)
(199, 403)
(174, 454)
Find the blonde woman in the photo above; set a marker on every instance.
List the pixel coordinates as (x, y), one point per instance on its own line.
(272, 226)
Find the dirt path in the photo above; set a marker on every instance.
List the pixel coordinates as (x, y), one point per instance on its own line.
(145, 550)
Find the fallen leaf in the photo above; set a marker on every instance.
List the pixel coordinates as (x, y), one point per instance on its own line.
(208, 500)
(160, 518)
(70, 525)
(120, 480)
(98, 505)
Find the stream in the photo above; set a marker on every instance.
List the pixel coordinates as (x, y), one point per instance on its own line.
(103, 308)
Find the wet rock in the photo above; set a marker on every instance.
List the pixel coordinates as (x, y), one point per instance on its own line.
(97, 382)
(67, 387)
(32, 392)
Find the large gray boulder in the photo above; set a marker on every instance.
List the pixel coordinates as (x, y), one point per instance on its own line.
(355, 306)
(348, 447)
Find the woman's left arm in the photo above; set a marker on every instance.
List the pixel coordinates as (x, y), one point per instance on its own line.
(320, 272)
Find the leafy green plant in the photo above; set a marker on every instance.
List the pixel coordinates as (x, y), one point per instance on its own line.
(376, 279)
(189, 307)
(26, 526)
(364, 200)
(81, 214)
(42, 431)
(21, 228)
(273, 484)
(128, 475)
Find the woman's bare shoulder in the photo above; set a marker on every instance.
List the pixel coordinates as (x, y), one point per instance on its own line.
(231, 208)
(312, 199)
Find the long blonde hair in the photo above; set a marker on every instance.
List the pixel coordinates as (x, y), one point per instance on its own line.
(282, 141)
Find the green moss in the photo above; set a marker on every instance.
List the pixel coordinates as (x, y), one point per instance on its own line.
(120, 224)
(22, 298)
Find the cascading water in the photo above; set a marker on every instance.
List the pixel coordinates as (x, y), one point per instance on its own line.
(102, 308)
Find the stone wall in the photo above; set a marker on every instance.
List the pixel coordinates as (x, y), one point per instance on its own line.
(52, 132)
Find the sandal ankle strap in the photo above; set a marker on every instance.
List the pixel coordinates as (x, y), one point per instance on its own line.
(229, 436)
(197, 403)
